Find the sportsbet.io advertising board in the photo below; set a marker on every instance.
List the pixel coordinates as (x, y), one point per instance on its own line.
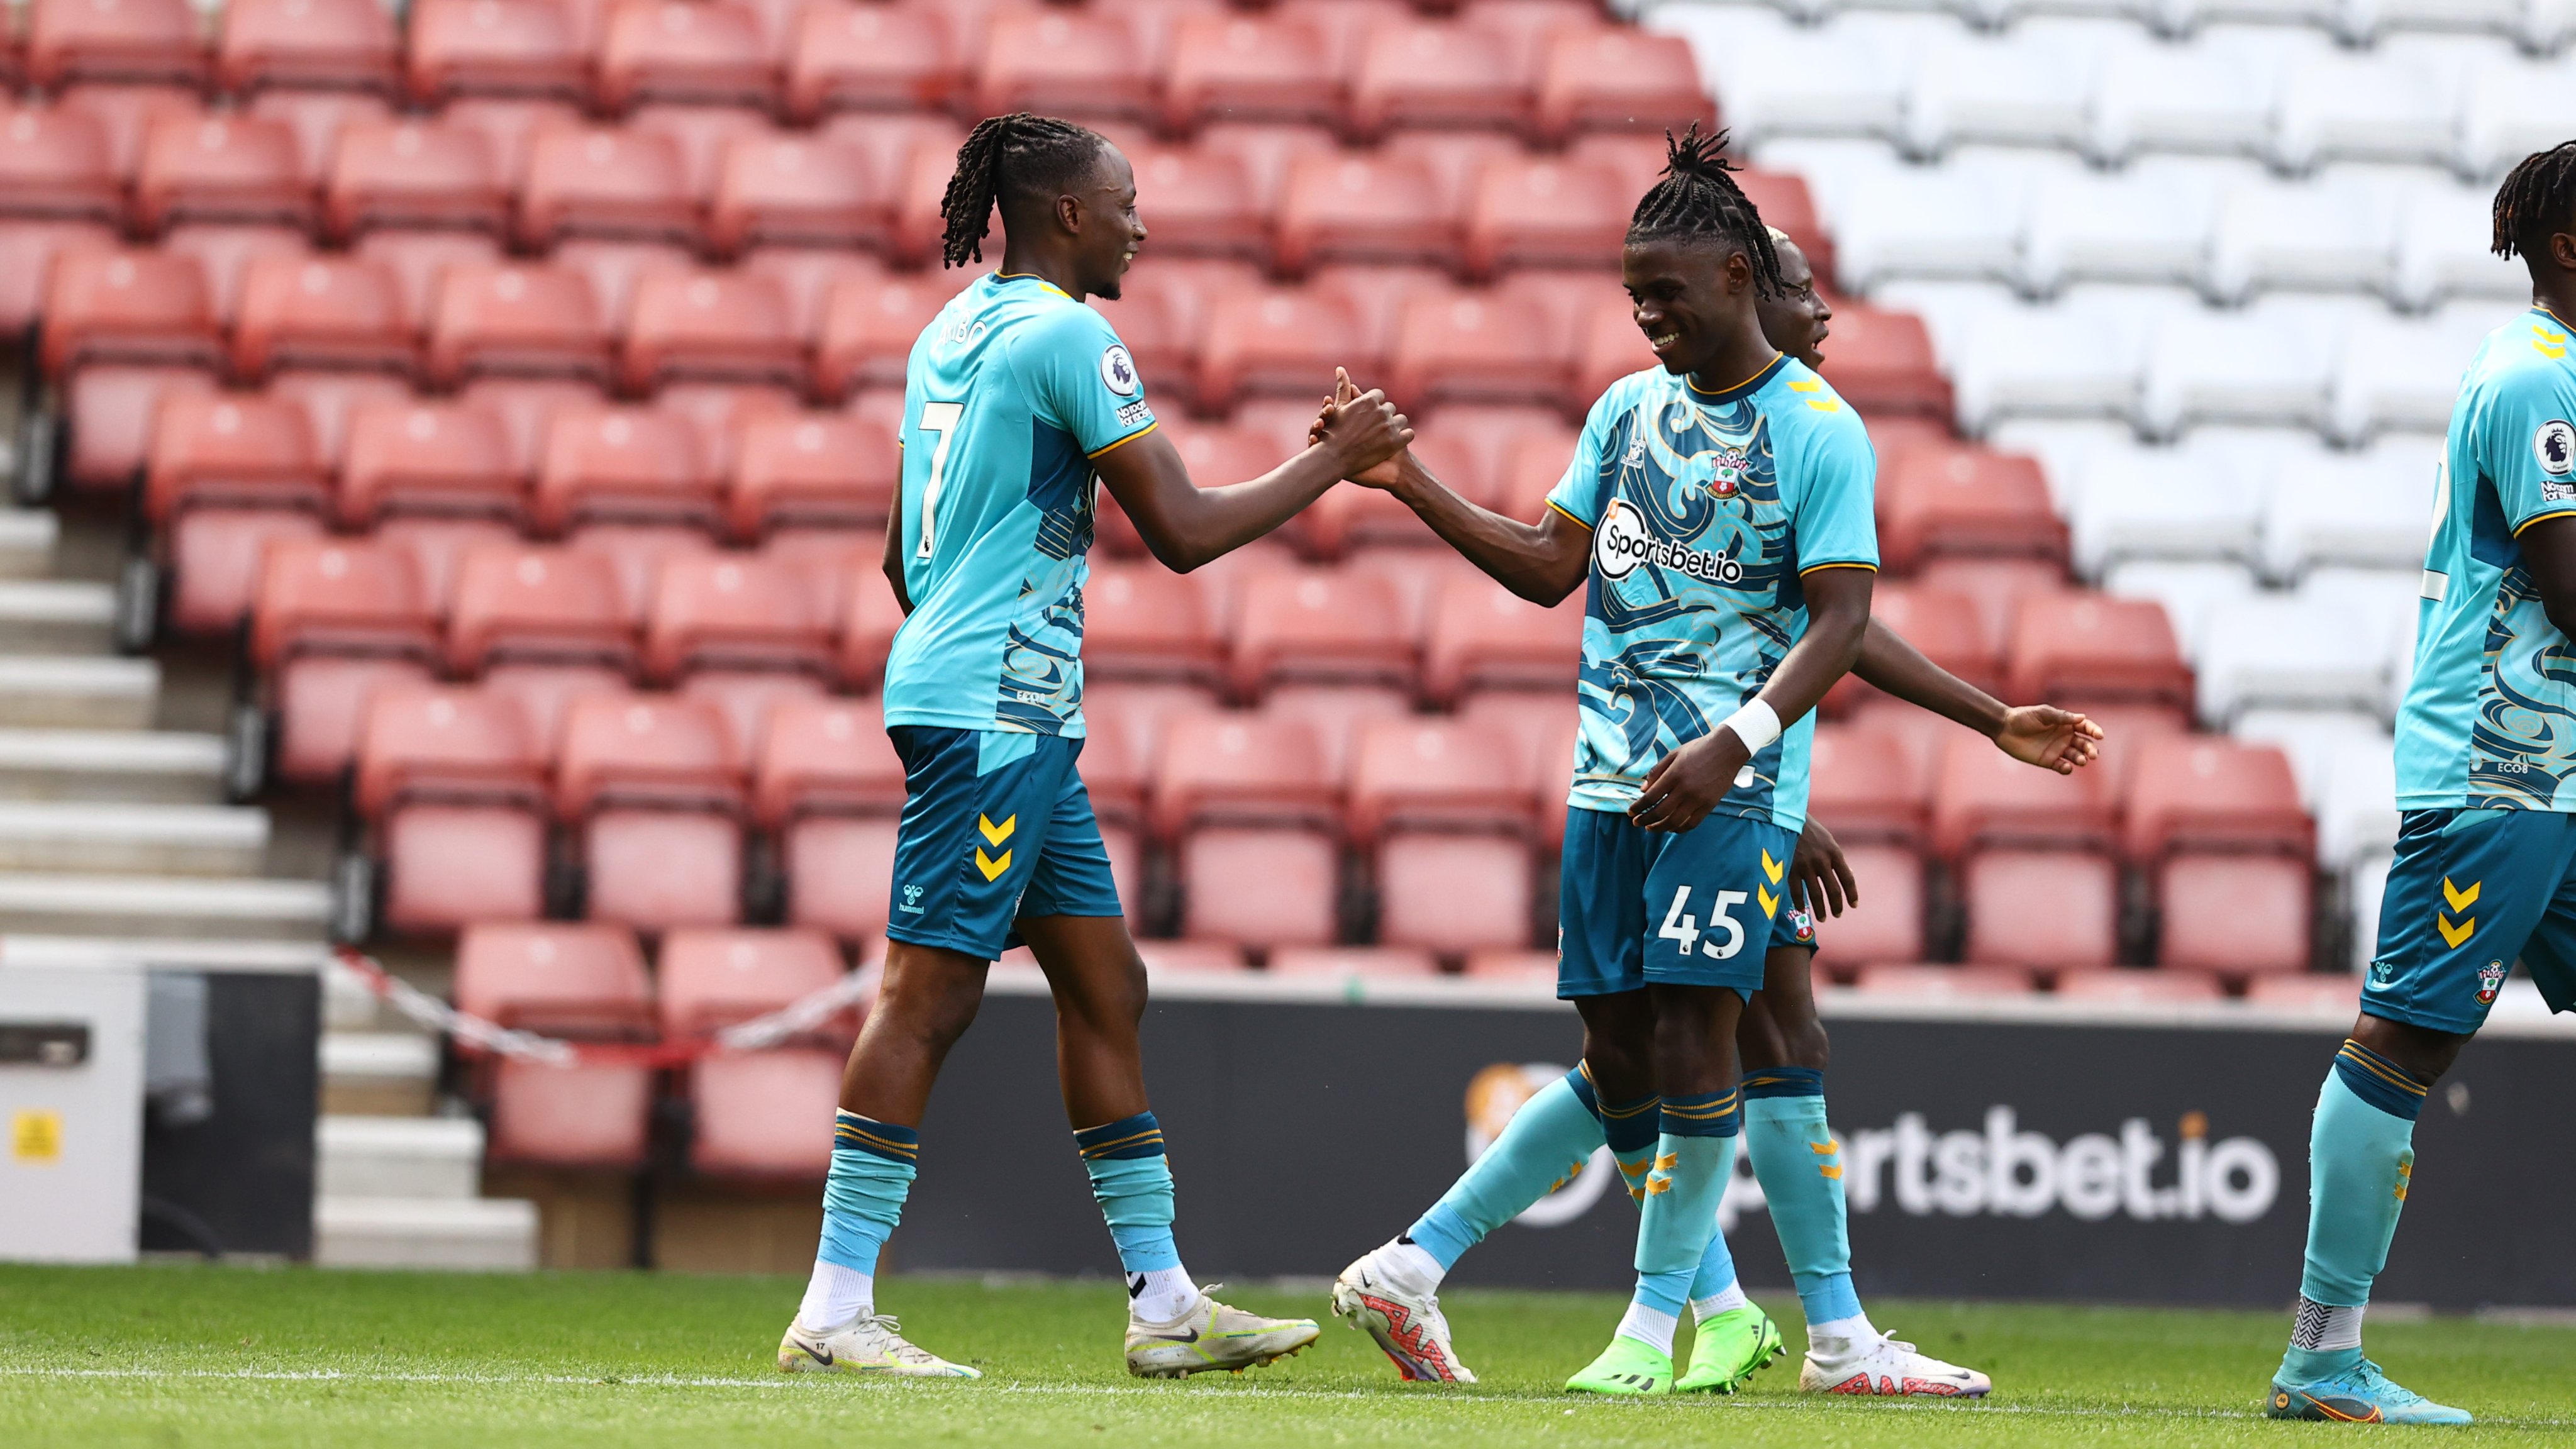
(2033, 1157)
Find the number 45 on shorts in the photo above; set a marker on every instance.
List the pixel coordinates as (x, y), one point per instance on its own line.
(1724, 936)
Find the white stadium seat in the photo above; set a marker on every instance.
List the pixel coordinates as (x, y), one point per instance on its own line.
(2275, 650)
(2512, 108)
(2401, 374)
(2188, 591)
(2379, 605)
(2370, 509)
(2443, 235)
(2367, 20)
(2311, 738)
(2365, 884)
(1924, 221)
(2357, 809)
(2150, 223)
(2168, 503)
(2327, 235)
(2031, 87)
(2064, 448)
(2255, 366)
(2073, 359)
(2158, 96)
(2295, 17)
(1782, 81)
(2375, 106)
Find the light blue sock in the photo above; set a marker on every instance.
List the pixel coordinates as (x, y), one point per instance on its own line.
(1554, 1132)
(1800, 1167)
(1694, 1155)
(2361, 1160)
(872, 1170)
(1131, 1179)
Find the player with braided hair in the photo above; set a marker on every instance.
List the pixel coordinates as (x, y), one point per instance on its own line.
(2486, 794)
(1019, 401)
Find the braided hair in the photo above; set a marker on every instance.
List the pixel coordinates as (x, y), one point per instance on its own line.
(1698, 201)
(1008, 159)
(2538, 197)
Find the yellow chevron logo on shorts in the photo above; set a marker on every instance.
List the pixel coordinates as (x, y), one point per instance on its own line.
(996, 834)
(2461, 900)
(1832, 1171)
(1658, 1186)
(1770, 902)
(2455, 934)
(991, 868)
(1826, 1148)
(1772, 868)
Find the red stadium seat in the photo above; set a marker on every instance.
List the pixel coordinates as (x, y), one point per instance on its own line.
(527, 409)
(808, 275)
(2236, 916)
(142, 307)
(810, 470)
(419, 261)
(1189, 957)
(793, 189)
(1364, 208)
(511, 124)
(2055, 908)
(719, 411)
(703, 133)
(1995, 585)
(329, 398)
(749, 1112)
(1260, 887)
(1202, 203)
(1495, 345)
(1434, 74)
(1436, 774)
(1866, 785)
(496, 47)
(1417, 574)
(873, 58)
(1504, 966)
(455, 783)
(1543, 211)
(234, 449)
(331, 623)
(109, 411)
(710, 324)
(1780, 197)
(125, 112)
(869, 618)
(1453, 893)
(600, 181)
(1267, 152)
(437, 545)
(667, 50)
(2115, 987)
(557, 977)
(1239, 769)
(1142, 621)
(624, 464)
(118, 40)
(1961, 500)
(2330, 995)
(826, 757)
(1336, 713)
(532, 604)
(320, 312)
(1278, 341)
(593, 1115)
(56, 162)
(869, 328)
(712, 979)
(1944, 626)
(1349, 963)
(2202, 792)
(317, 118)
(1887, 924)
(1882, 362)
(2128, 729)
(1061, 62)
(840, 872)
(226, 250)
(1166, 356)
(1607, 346)
(1249, 68)
(1539, 726)
(220, 168)
(428, 457)
(27, 252)
(617, 269)
(1983, 796)
(1483, 636)
(724, 611)
(915, 156)
(1621, 79)
(656, 784)
(2095, 648)
(1318, 625)
(344, 43)
(636, 552)
(1943, 982)
(414, 173)
(515, 319)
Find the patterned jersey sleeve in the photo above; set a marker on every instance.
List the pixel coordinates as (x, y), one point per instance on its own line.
(2527, 446)
(1577, 495)
(1836, 520)
(1082, 380)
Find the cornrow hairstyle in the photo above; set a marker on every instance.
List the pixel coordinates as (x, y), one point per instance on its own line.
(1697, 200)
(2538, 197)
(1007, 158)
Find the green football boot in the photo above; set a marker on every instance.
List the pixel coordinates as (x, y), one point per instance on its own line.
(2359, 1395)
(1730, 1349)
(1625, 1367)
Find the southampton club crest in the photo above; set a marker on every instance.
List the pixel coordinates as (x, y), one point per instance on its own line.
(1803, 926)
(1728, 466)
(2490, 981)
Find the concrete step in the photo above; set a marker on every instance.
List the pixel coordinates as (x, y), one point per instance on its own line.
(57, 616)
(417, 1157)
(27, 538)
(71, 692)
(378, 1073)
(489, 1234)
(87, 835)
(111, 765)
(182, 907)
(37, 949)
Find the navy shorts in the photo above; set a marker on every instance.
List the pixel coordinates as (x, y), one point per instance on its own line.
(2471, 892)
(1700, 908)
(996, 826)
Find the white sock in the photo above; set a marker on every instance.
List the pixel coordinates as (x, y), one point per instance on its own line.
(1839, 1335)
(2326, 1325)
(1725, 1300)
(1159, 1296)
(1411, 1267)
(836, 1297)
(1648, 1326)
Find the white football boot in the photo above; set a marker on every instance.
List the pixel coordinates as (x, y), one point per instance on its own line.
(871, 1346)
(1407, 1325)
(1887, 1366)
(1210, 1335)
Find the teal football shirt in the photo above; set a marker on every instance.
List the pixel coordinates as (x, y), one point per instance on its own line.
(1706, 508)
(1010, 393)
(2490, 717)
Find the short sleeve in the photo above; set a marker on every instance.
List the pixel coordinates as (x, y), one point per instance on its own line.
(1836, 512)
(1577, 495)
(2528, 446)
(1082, 379)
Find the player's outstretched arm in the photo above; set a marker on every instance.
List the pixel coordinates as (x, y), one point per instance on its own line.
(1688, 783)
(2035, 734)
(1187, 526)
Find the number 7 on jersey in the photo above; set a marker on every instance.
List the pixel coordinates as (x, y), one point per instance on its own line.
(939, 419)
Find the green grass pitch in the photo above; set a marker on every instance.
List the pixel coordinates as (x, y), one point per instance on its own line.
(185, 1355)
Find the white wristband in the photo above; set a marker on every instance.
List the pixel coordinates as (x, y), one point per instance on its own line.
(1755, 724)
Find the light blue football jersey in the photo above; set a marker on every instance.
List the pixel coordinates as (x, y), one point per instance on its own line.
(2490, 717)
(1011, 391)
(1705, 509)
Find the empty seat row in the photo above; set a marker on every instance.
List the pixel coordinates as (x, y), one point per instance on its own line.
(2541, 25)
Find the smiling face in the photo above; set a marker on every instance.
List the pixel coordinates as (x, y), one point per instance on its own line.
(1106, 230)
(1691, 299)
(1795, 321)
